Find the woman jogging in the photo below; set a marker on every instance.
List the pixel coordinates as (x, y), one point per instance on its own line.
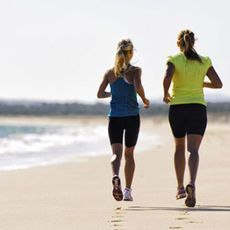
(125, 81)
(187, 112)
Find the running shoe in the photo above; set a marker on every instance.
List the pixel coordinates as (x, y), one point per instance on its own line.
(117, 192)
(180, 193)
(191, 196)
(127, 194)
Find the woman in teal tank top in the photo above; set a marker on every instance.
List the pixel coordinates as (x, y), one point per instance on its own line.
(125, 83)
(187, 112)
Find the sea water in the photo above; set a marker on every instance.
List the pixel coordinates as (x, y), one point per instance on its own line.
(29, 145)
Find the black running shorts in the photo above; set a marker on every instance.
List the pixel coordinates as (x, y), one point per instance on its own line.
(117, 126)
(187, 119)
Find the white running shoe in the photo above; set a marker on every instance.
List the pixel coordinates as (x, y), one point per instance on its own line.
(127, 194)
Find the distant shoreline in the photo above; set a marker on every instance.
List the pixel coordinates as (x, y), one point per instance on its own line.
(78, 109)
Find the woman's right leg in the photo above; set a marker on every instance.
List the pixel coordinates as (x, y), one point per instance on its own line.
(178, 125)
(115, 163)
(179, 161)
(116, 158)
(115, 130)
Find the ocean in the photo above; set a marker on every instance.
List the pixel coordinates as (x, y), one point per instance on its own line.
(31, 144)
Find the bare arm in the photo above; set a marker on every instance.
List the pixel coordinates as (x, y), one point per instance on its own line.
(215, 82)
(101, 93)
(139, 88)
(167, 81)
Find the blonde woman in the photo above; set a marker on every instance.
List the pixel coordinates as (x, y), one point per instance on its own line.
(125, 82)
(187, 111)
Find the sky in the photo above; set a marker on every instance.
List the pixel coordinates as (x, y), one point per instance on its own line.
(59, 50)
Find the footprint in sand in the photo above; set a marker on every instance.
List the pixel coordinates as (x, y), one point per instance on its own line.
(117, 219)
(175, 228)
(182, 218)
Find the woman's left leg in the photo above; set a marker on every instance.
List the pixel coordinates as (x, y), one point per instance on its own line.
(179, 161)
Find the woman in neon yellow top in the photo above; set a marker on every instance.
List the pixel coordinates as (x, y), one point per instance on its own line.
(187, 112)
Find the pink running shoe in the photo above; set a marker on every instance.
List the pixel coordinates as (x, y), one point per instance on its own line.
(180, 193)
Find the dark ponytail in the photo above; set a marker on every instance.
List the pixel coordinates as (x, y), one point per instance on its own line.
(186, 42)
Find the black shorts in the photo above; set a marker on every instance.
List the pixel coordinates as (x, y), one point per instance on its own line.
(117, 126)
(187, 119)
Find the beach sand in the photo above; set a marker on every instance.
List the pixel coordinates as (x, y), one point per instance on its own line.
(77, 195)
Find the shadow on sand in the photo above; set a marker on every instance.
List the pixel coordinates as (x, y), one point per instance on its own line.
(198, 208)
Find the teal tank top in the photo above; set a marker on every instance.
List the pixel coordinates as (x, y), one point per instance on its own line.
(124, 99)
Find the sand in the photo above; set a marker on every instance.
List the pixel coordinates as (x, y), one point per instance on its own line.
(77, 195)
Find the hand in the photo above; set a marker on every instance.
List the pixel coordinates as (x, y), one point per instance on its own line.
(146, 103)
(167, 98)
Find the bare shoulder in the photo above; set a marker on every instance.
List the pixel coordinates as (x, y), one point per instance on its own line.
(136, 71)
(133, 74)
(108, 74)
(135, 68)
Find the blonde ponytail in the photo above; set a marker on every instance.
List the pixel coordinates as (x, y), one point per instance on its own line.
(120, 64)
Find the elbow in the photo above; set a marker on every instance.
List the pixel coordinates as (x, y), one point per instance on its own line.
(219, 85)
(99, 95)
